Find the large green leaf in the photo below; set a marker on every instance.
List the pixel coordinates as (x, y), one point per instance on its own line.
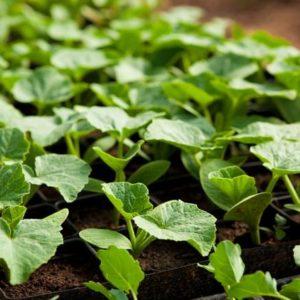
(179, 221)
(105, 238)
(259, 132)
(234, 184)
(13, 145)
(45, 86)
(130, 199)
(281, 157)
(13, 185)
(250, 211)
(177, 133)
(226, 264)
(8, 113)
(67, 173)
(214, 194)
(28, 245)
(255, 285)
(120, 269)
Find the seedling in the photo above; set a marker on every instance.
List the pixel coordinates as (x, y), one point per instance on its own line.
(173, 220)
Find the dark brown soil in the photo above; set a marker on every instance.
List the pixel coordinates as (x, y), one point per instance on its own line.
(232, 231)
(166, 255)
(55, 276)
(279, 17)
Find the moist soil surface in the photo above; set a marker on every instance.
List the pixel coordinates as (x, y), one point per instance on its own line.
(279, 17)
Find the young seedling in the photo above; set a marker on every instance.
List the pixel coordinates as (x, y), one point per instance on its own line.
(231, 189)
(282, 158)
(19, 236)
(173, 220)
(228, 269)
(121, 271)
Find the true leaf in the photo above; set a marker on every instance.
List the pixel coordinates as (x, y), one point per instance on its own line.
(67, 173)
(105, 238)
(13, 145)
(13, 185)
(129, 199)
(292, 289)
(32, 243)
(281, 157)
(177, 133)
(179, 221)
(45, 86)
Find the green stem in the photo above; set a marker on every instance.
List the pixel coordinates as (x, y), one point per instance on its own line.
(255, 236)
(272, 183)
(134, 296)
(77, 145)
(120, 148)
(207, 114)
(131, 233)
(293, 193)
(70, 145)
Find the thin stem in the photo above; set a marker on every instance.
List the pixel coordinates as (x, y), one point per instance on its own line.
(255, 236)
(120, 148)
(134, 296)
(131, 233)
(70, 145)
(293, 193)
(272, 183)
(207, 114)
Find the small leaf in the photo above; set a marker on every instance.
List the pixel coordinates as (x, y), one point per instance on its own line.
(179, 221)
(13, 215)
(13, 145)
(67, 173)
(45, 86)
(250, 211)
(177, 133)
(115, 163)
(226, 264)
(292, 289)
(280, 157)
(120, 269)
(32, 244)
(129, 199)
(150, 172)
(105, 238)
(255, 285)
(234, 184)
(13, 186)
(214, 194)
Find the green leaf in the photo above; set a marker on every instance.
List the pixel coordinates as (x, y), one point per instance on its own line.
(250, 211)
(94, 186)
(8, 113)
(64, 31)
(13, 215)
(67, 173)
(292, 289)
(150, 172)
(281, 157)
(177, 133)
(297, 255)
(120, 269)
(112, 294)
(80, 59)
(32, 243)
(260, 132)
(115, 163)
(255, 285)
(129, 199)
(13, 185)
(13, 145)
(105, 238)
(215, 195)
(179, 221)
(226, 264)
(229, 65)
(234, 184)
(45, 86)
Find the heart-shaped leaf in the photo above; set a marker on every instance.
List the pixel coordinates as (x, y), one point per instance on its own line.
(179, 221)
(67, 173)
(280, 157)
(129, 199)
(31, 244)
(45, 86)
